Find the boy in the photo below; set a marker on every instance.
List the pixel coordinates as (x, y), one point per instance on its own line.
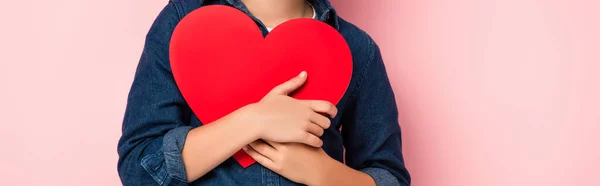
(163, 143)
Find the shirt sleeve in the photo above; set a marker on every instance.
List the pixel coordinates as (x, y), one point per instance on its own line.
(371, 133)
(156, 119)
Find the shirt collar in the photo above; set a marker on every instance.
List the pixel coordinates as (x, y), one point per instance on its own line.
(325, 11)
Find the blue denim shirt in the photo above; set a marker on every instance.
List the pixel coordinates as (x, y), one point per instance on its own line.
(157, 118)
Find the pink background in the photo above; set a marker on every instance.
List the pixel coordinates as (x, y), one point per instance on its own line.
(491, 93)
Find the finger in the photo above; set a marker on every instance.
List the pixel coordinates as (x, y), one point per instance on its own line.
(263, 160)
(315, 129)
(273, 144)
(290, 85)
(312, 140)
(264, 149)
(320, 120)
(323, 107)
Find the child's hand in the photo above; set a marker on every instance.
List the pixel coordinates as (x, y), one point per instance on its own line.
(297, 162)
(281, 118)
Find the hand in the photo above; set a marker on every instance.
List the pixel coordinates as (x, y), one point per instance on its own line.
(281, 118)
(297, 162)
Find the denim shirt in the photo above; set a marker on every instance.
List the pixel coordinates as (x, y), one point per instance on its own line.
(157, 118)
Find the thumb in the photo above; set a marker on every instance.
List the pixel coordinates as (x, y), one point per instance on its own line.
(290, 85)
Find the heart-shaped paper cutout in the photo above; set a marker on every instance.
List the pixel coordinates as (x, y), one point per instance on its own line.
(221, 62)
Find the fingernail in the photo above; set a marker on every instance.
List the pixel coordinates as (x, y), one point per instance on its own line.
(302, 74)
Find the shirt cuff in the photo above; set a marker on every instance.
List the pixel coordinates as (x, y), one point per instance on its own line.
(166, 165)
(172, 147)
(381, 176)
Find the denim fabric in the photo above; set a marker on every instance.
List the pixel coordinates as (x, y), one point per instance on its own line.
(157, 118)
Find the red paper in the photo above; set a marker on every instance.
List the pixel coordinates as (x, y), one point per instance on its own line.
(221, 62)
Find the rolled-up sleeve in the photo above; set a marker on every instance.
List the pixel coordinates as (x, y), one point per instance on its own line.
(371, 133)
(156, 120)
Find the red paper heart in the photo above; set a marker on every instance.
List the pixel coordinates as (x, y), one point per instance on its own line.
(221, 62)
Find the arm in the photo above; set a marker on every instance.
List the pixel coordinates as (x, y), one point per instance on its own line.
(289, 119)
(200, 140)
(371, 133)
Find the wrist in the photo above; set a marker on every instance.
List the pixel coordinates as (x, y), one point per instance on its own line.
(337, 173)
(243, 119)
(324, 172)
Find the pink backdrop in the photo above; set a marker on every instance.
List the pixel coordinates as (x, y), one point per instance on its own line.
(492, 93)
